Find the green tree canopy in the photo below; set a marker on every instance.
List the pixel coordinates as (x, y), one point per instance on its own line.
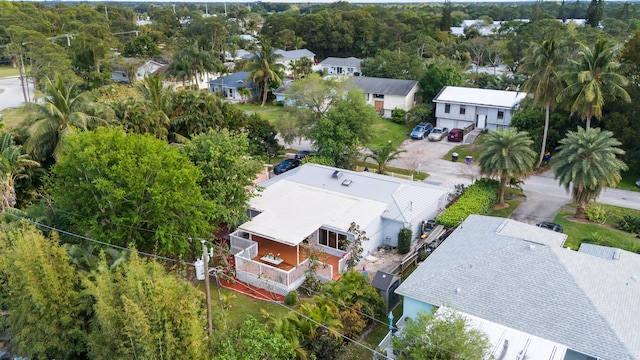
(229, 172)
(506, 153)
(264, 68)
(586, 163)
(394, 65)
(437, 77)
(140, 311)
(40, 294)
(129, 189)
(253, 340)
(444, 336)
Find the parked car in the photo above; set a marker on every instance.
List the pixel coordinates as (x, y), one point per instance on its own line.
(456, 135)
(550, 226)
(421, 130)
(286, 165)
(303, 154)
(438, 133)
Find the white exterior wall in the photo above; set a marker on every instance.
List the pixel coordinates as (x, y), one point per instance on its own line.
(333, 70)
(391, 102)
(453, 119)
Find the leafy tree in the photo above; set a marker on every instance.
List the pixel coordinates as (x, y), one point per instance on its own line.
(359, 236)
(393, 65)
(261, 136)
(594, 13)
(42, 296)
(196, 62)
(437, 77)
(404, 240)
(506, 153)
(253, 340)
(13, 166)
(263, 68)
(128, 189)
(384, 155)
(587, 163)
(142, 46)
(139, 309)
(229, 172)
(346, 126)
(592, 80)
(62, 113)
(445, 336)
(301, 68)
(445, 21)
(543, 64)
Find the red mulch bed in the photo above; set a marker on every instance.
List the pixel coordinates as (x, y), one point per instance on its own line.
(252, 291)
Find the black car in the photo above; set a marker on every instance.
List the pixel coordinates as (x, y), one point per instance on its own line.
(286, 165)
(550, 226)
(303, 154)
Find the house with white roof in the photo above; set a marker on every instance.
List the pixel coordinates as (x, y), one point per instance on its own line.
(313, 206)
(341, 66)
(547, 301)
(459, 107)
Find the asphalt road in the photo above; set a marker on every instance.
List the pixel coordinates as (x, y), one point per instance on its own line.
(11, 95)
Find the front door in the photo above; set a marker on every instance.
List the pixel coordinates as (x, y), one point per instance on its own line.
(481, 123)
(379, 106)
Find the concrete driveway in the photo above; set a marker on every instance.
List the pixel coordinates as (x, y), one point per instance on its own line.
(11, 92)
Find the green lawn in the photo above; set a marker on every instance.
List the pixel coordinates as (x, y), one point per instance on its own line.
(384, 130)
(13, 118)
(8, 71)
(579, 232)
(512, 197)
(271, 113)
(629, 180)
(464, 151)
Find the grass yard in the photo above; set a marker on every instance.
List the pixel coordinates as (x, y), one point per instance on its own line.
(13, 118)
(513, 197)
(271, 113)
(465, 150)
(6, 71)
(241, 306)
(629, 180)
(579, 232)
(384, 130)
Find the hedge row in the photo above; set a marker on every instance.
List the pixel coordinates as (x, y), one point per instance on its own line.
(478, 198)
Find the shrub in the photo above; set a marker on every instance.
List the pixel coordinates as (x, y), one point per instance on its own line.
(404, 240)
(478, 198)
(596, 213)
(398, 116)
(629, 223)
(291, 298)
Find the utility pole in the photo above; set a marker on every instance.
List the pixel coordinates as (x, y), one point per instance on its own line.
(205, 258)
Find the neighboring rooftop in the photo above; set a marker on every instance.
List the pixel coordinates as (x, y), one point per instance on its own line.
(344, 62)
(519, 276)
(294, 54)
(234, 80)
(372, 85)
(480, 97)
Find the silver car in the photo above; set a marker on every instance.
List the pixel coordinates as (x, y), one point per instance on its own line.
(438, 133)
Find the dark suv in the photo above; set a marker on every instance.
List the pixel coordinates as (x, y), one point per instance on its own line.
(303, 154)
(550, 226)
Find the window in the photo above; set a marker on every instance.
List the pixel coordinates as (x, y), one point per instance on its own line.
(378, 96)
(332, 239)
(500, 115)
(463, 110)
(447, 108)
(349, 70)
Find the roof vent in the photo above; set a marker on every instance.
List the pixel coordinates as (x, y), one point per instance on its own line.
(531, 247)
(458, 290)
(616, 254)
(336, 174)
(347, 182)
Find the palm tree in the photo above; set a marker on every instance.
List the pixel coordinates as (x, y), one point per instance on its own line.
(507, 153)
(13, 166)
(586, 163)
(543, 65)
(263, 68)
(245, 93)
(594, 78)
(384, 155)
(61, 113)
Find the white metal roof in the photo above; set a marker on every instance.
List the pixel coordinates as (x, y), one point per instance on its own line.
(480, 97)
(291, 211)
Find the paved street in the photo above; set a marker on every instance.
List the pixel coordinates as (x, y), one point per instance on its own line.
(11, 92)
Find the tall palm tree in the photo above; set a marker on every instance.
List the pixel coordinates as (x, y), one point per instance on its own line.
(13, 165)
(62, 112)
(384, 155)
(587, 163)
(543, 64)
(263, 68)
(594, 78)
(507, 153)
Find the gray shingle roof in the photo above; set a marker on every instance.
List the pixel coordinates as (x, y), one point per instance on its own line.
(589, 304)
(344, 62)
(383, 280)
(372, 85)
(294, 54)
(604, 252)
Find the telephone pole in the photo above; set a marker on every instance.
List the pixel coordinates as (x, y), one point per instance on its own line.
(205, 258)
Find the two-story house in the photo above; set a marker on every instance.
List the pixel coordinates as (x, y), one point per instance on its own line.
(459, 107)
(341, 66)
